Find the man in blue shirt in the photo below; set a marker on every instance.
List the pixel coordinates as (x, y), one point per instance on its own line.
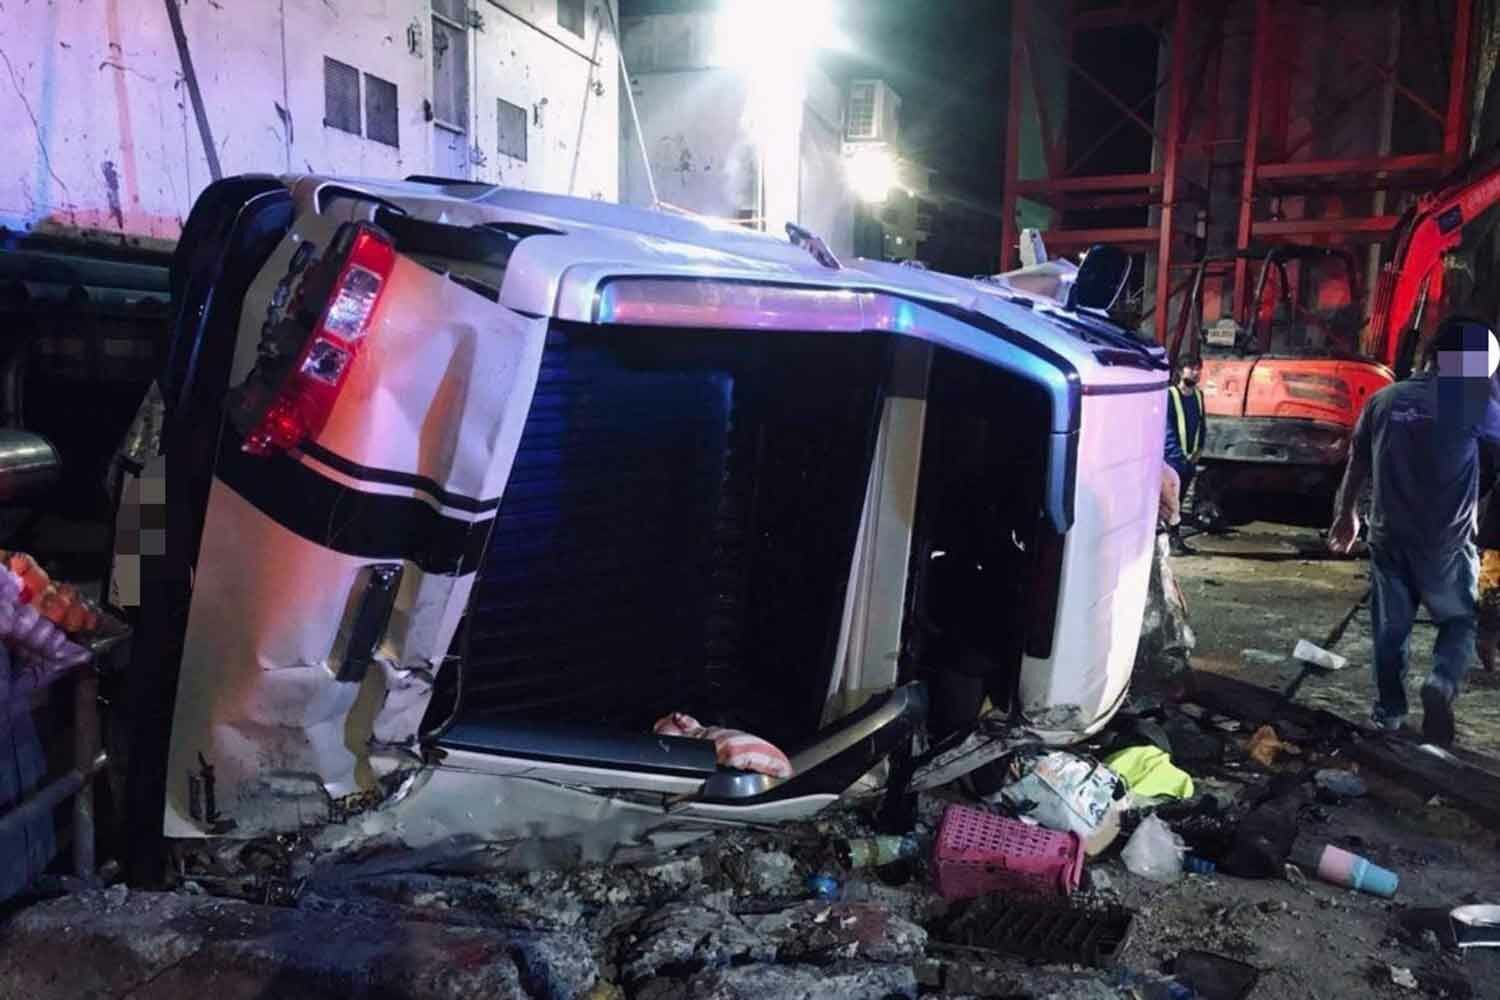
(1418, 443)
(1185, 428)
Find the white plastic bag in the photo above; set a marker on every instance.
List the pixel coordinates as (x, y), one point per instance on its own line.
(1154, 851)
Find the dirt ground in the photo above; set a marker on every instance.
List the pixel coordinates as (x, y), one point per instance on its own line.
(1253, 593)
(734, 917)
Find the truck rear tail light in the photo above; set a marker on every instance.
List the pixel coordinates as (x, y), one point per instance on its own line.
(733, 305)
(302, 404)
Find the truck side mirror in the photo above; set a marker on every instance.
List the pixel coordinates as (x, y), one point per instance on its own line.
(1101, 278)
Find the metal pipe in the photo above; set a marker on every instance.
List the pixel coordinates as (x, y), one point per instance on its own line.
(85, 748)
(635, 118)
(50, 796)
(29, 465)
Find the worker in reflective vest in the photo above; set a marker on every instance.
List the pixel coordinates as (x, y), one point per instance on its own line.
(1186, 423)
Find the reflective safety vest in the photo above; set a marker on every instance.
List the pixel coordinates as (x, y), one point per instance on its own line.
(1193, 447)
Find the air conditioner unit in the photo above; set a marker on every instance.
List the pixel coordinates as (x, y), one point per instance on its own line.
(872, 113)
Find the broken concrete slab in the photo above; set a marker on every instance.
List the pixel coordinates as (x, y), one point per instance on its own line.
(805, 982)
(821, 932)
(171, 945)
(684, 938)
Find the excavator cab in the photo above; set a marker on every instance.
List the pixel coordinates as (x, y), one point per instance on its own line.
(1284, 381)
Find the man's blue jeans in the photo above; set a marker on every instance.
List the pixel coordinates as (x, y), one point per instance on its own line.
(1401, 577)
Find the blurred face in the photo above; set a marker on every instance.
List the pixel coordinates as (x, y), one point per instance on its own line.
(1188, 375)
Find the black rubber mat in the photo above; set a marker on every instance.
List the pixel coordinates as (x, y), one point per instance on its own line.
(1042, 929)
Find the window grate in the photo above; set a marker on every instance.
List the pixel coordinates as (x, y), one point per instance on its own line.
(453, 10)
(450, 74)
(862, 110)
(512, 129)
(340, 96)
(381, 121)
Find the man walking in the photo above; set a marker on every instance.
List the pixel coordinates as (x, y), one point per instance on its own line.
(1418, 442)
(1186, 423)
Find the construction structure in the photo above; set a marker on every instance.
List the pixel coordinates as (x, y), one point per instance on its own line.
(1179, 128)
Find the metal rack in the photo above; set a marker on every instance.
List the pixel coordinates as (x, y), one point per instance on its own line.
(1223, 166)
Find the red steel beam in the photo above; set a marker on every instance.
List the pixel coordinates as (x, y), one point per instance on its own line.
(1369, 165)
(1012, 167)
(1258, 68)
(1099, 86)
(1101, 182)
(1369, 224)
(1455, 130)
(1178, 71)
(1142, 237)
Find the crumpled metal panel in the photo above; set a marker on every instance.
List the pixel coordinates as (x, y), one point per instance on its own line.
(265, 738)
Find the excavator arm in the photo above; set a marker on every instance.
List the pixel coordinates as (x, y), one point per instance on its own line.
(1445, 253)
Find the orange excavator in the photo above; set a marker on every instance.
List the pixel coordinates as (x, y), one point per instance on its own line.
(1284, 385)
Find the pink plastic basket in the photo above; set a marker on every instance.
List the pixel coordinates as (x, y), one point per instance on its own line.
(978, 852)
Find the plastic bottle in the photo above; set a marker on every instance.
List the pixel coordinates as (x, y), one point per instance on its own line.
(1341, 867)
(876, 852)
(1194, 865)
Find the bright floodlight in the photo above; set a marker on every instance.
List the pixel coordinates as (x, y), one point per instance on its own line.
(872, 174)
(780, 34)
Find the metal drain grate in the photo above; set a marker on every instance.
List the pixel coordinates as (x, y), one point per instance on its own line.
(1036, 928)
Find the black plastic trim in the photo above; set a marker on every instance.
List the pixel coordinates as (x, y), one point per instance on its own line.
(391, 477)
(351, 521)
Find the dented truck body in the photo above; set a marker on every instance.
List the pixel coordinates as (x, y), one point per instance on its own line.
(467, 486)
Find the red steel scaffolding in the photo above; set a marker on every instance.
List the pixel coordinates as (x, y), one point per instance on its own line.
(1208, 53)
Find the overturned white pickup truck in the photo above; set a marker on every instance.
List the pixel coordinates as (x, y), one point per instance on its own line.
(466, 487)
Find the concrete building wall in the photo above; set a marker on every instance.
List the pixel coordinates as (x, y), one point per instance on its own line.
(105, 138)
(722, 143)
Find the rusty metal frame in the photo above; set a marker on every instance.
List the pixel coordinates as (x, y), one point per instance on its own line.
(1165, 190)
(1286, 174)
(1066, 185)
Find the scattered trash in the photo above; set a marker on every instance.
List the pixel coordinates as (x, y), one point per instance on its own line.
(1262, 657)
(1294, 874)
(1150, 774)
(1263, 841)
(1214, 977)
(1042, 930)
(877, 852)
(1469, 926)
(825, 887)
(733, 748)
(1345, 784)
(1339, 867)
(1265, 745)
(1309, 652)
(1071, 794)
(1194, 865)
(1403, 978)
(978, 852)
(1225, 724)
(1154, 851)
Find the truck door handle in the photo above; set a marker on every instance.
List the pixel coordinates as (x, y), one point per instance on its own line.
(373, 615)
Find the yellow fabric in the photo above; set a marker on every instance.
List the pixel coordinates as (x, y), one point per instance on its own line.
(1489, 570)
(1189, 448)
(1148, 771)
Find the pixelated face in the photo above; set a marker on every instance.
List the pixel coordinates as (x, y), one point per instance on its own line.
(1477, 360)
(1466, 376)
